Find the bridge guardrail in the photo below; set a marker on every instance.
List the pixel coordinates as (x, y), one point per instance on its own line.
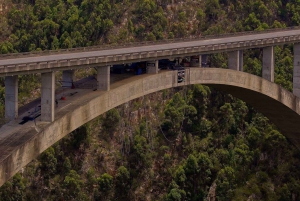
(102, 59)
(135, 44)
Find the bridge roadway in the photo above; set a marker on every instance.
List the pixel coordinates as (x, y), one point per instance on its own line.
(20, 144)
(61, 61)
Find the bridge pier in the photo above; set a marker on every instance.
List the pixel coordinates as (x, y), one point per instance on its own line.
(241, 60)
(67, 78)
(235, 60)
(268, 63)
(103, 78)
(296, 71)
(47, 97)
(11, 97)
(196, 61)
(152, 67)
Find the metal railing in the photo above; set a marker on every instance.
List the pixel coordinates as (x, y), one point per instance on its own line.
(136, 44)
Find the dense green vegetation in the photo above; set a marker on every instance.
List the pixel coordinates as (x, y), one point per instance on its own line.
(198, 144)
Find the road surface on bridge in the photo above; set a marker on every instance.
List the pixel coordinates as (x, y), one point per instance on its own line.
(149, 48)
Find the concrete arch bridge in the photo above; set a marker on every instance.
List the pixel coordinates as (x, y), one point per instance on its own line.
(24, 143)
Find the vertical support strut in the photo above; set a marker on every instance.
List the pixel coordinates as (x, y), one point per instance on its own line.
(11, 97)
(152, 67)
(196, 61)
(268, 63)
(233, 60)
(67, 78)
(103, 78)
(47, 97)
(241, 60)
(296, 71)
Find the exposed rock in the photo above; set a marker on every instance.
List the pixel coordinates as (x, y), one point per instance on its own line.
(211, 196)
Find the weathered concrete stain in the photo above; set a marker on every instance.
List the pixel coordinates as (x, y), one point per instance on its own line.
(276, 103)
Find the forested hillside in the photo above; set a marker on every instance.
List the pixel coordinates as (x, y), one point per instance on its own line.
(191, 143)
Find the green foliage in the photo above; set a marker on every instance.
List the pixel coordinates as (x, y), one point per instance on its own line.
(105, 182)
(111, 121)
(48, 162)
(73, 184)
(81, 136)
(13, 190)
(122, 181)
(67, 165)
(176, 111)
(212, 138)
(141, 152)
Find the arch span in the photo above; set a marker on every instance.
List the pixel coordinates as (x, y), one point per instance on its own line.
(279, 105)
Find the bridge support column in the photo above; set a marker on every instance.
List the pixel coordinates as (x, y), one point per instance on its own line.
(234, 60)
(47, 97)
(67, 78)
(11, 97)
(196, 61)
(103, 78)
(268, 63)
(241, 60)
(152, 67)
(296, 72)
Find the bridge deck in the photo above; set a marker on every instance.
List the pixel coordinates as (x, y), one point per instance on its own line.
(47, 63)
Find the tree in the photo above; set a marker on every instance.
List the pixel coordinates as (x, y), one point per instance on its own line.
(72, 184)
(111, 120)
(48, 163)
(13, 190)
(122, 181)
(105, 182)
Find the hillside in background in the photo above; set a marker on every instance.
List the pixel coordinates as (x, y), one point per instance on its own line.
(190, 143)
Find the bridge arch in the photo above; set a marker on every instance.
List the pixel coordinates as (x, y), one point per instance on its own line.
(275, 102)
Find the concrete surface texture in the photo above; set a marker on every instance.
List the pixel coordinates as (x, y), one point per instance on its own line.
(268, 63)
(64, 61)
(296, 70)
(234, 60)
(103, 78)
(47, 96)
(67, 78)
(26, 142)
(241, 60)
(11, 97)
(152, 67)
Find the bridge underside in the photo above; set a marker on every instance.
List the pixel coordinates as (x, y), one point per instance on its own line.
(24, 144)
(286, 120)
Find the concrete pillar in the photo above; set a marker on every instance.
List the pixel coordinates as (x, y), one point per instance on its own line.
(268, 63)
(152, 67)
(67, 78)
(241, 60)
(233, 60)
(296, 73)
(204, 60)
(11, 97)
(196, 61)
(47, 97)
(103, 78)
